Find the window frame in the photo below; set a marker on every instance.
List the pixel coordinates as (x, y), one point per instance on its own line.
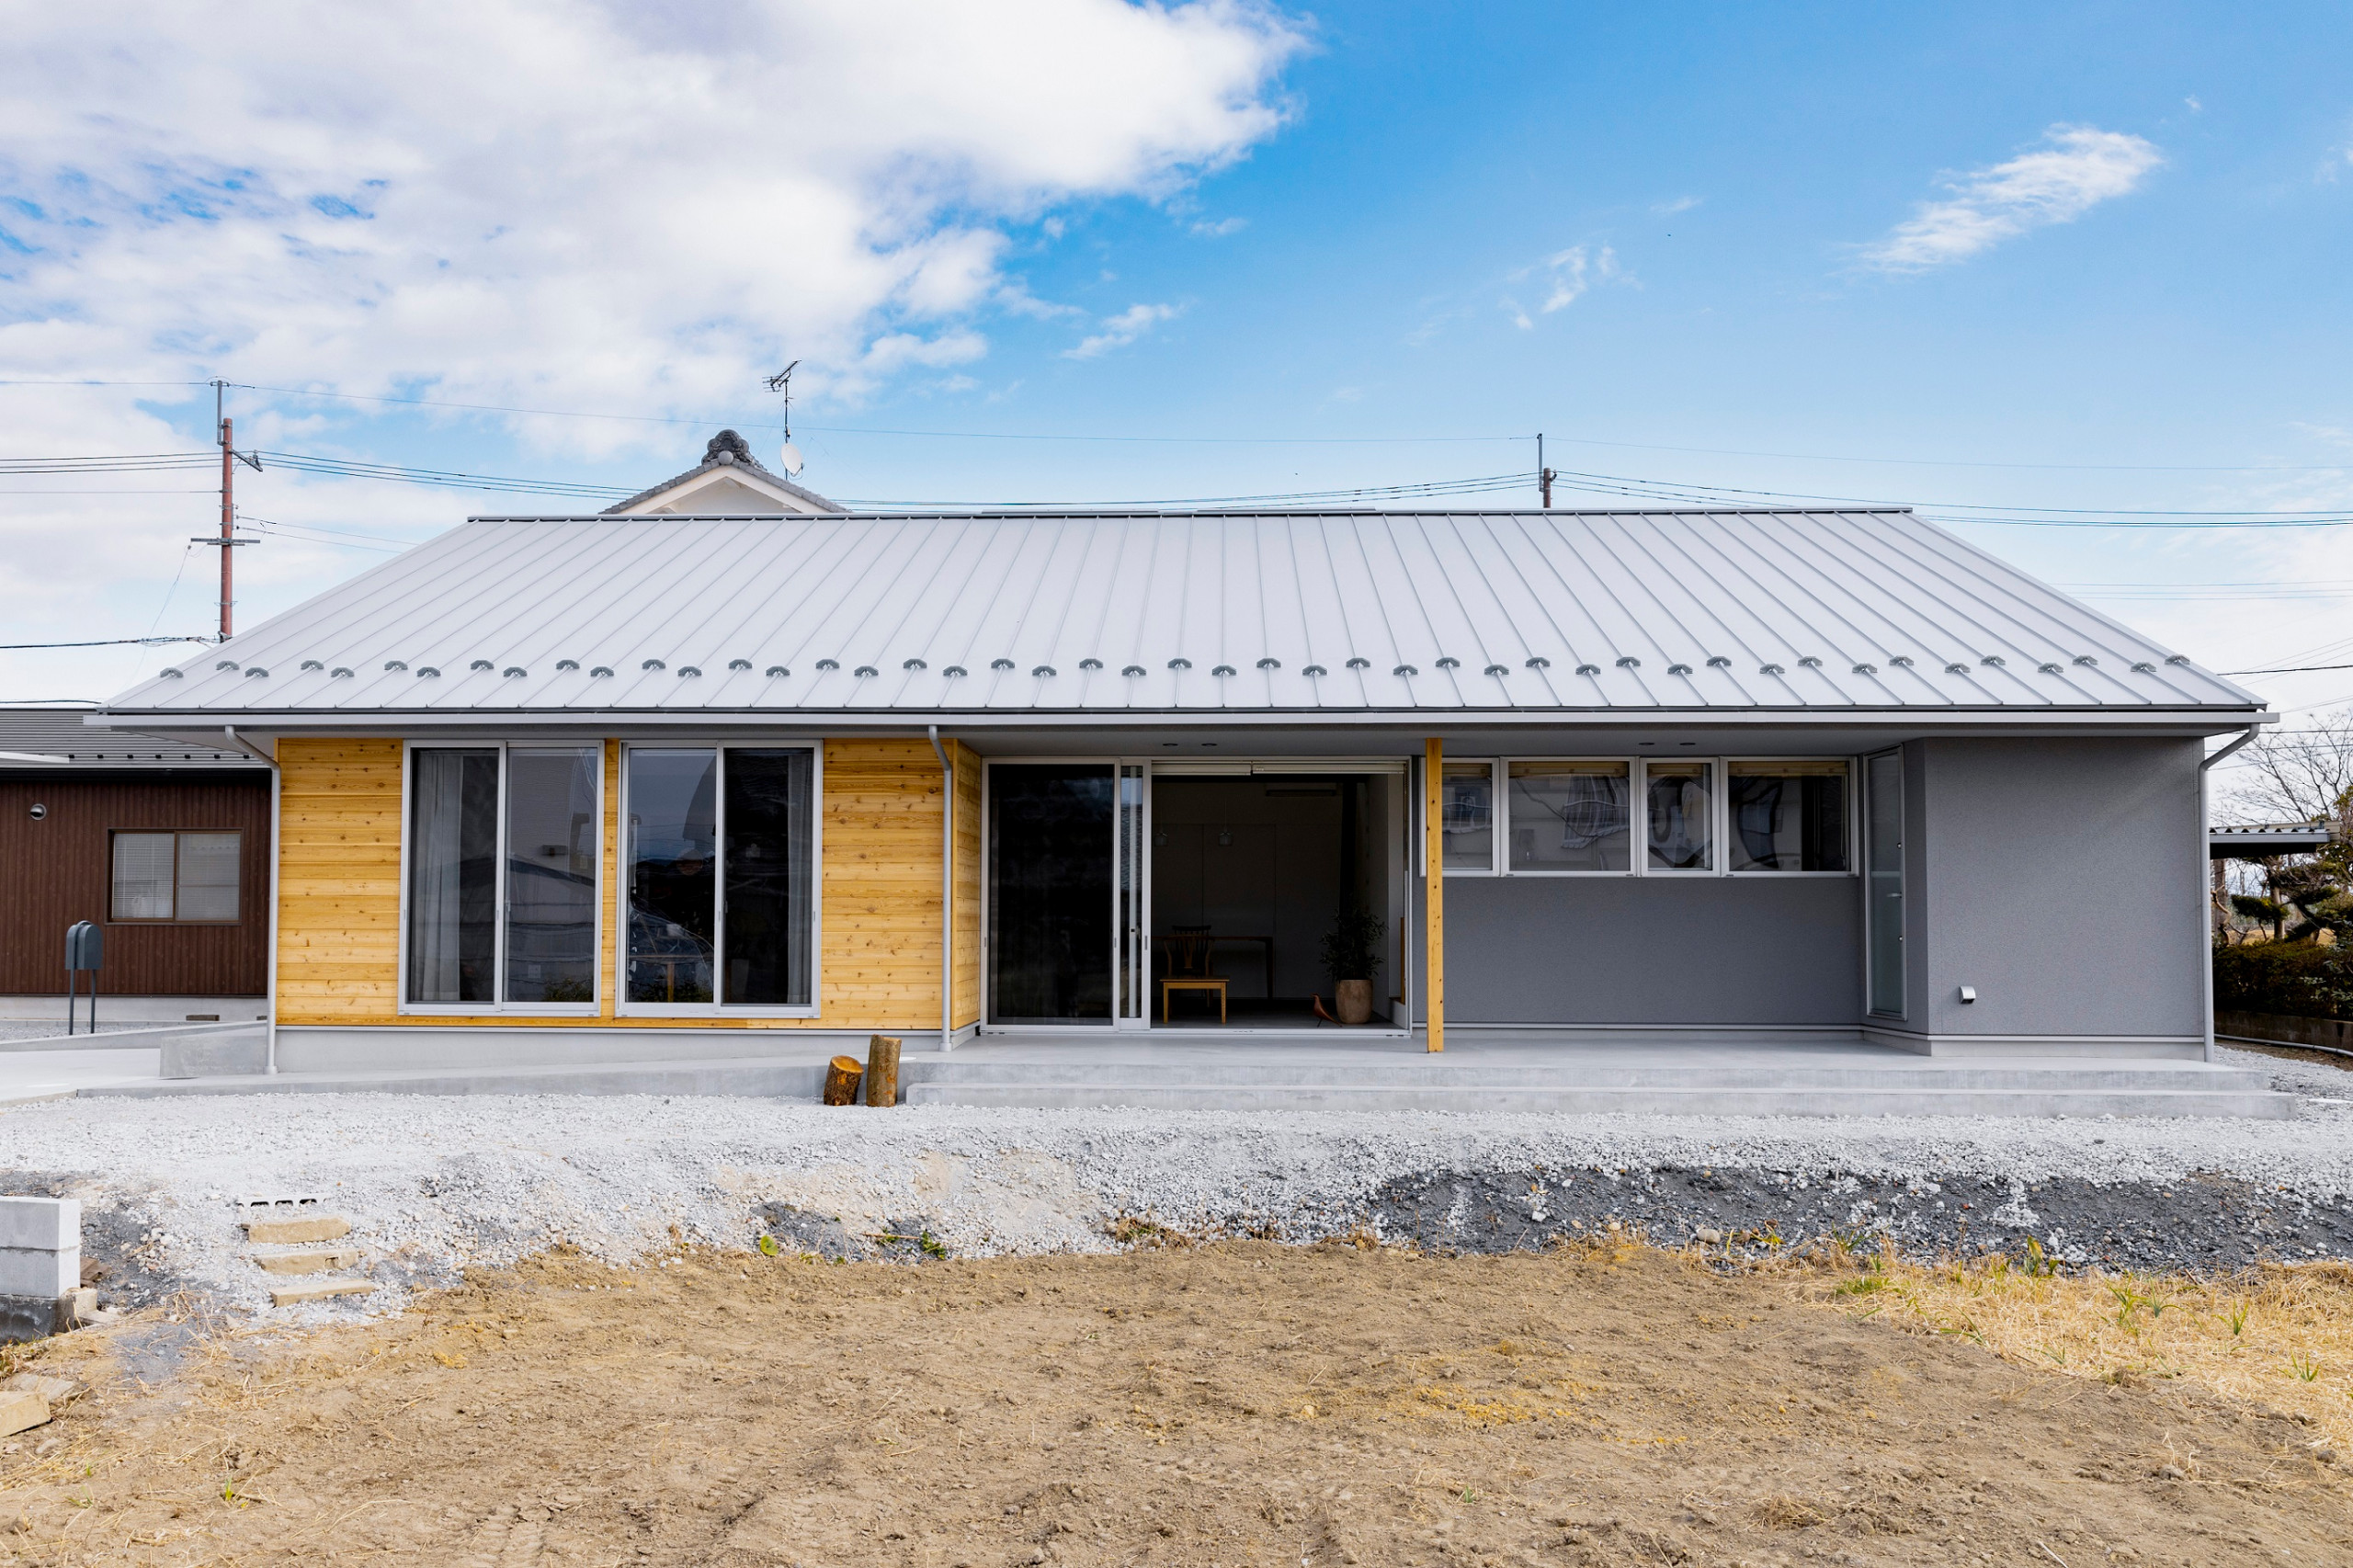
(175, 918)
(1637, 844)
(1854, 814)
(1637, 783)
(715, 1007)
(498, 1003)
(1494, 766)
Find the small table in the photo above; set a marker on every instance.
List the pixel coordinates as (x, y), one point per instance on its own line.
(1194, 982)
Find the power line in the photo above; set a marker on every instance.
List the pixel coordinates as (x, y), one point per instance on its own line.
(2285, 670)
(1223, 440)
(103, 643)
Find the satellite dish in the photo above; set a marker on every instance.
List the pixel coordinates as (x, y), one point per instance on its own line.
(791, 455)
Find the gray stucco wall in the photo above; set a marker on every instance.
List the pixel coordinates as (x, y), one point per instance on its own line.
(2063, 879)
(1652, 950)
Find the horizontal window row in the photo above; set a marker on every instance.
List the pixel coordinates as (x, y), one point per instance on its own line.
(1637, 817)
(505, 871)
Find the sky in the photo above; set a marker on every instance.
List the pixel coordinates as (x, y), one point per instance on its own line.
(2028, 268)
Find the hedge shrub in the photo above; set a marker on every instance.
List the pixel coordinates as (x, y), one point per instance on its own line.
(2303, 980)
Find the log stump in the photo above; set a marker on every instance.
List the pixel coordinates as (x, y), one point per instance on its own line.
(882, 1071)
(842, 1075)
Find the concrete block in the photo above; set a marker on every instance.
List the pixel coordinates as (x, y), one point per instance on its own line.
(43, 1224)
(215, 1054)
(32, 1317)
(308, 1262)
(308, 1228)
(319, 1290)
(21, 1411)
(25, 1271)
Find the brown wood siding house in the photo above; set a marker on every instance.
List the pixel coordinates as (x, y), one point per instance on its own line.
(188, 916)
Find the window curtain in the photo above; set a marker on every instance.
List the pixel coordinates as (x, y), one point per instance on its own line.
(453, 876)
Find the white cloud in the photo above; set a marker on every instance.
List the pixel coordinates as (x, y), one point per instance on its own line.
(1121, 330)
(1566, 277)
(592, 204)
(1219, 229)
(1680, 204)
(2076, 169)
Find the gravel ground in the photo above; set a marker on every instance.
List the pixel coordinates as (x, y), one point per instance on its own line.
(432, 1185)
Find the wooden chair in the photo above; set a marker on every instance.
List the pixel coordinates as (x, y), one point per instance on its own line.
(1188, 968)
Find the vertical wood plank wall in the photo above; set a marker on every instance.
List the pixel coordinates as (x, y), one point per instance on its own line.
(338, 880)
(879, 890)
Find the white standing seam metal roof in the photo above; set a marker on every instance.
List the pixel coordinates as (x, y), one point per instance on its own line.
(1190, 613)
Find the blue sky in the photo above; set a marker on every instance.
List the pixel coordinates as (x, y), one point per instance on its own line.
(2086, 257)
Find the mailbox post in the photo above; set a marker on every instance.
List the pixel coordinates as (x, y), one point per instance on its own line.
(84, 949)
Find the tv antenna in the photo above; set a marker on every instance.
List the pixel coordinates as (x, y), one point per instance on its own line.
(782, 382)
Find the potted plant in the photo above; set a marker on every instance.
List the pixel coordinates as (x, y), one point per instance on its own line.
(1352, 954)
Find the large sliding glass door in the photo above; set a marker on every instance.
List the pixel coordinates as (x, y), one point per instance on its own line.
(1051, 915)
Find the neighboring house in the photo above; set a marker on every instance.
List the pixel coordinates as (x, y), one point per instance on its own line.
(590, 788)
(729, 482)
(163, 844)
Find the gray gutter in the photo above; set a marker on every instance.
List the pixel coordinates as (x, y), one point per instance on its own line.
(277, 788)
(2205, 872)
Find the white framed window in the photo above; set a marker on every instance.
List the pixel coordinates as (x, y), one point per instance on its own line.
(502, 850)
(1642, 816)
(720, 857)
(1467, 836)
(1569, 816)
(1679, 816)
(177, 878)
(1790, 816)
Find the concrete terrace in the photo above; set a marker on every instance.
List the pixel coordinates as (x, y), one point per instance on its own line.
(1481, 1071)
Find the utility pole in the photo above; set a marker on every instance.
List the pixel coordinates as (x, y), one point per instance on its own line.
(1543, 475)
(228, 541)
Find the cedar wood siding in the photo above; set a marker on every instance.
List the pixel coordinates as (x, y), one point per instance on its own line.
(879, 897)
(57, 871)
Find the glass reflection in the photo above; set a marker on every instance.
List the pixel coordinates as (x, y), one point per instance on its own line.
(1681, 811)
(673, 879)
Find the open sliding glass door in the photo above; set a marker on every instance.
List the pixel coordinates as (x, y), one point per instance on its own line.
(1131, 917)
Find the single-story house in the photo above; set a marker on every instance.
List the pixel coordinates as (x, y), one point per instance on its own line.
(602, 785)
(163, 845)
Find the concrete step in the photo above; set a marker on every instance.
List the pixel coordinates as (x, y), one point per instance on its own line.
(731, 1076)
(1588, 1101)
(296, 1228)
(319, 1290)
(318, 1262)
(1457, 1073)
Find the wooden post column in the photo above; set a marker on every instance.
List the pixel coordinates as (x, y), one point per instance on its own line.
(1434, 889)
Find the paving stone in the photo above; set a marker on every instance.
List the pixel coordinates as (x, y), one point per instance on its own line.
(319, 1290)
(20, 1410)
(307, 1262)
(308, 1228)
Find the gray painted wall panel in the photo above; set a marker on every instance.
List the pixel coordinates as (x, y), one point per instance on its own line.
(2063, 880)
(1652, 950)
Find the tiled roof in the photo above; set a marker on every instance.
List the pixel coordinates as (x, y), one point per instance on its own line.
(58, 731)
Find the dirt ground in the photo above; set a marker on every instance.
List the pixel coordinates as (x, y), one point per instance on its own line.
(1229, 1405)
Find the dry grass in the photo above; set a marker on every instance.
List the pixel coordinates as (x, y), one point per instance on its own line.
(2280, 1336)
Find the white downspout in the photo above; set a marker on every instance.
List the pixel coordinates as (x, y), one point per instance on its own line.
(270, 1028)
(947, 894)
(2205, 879)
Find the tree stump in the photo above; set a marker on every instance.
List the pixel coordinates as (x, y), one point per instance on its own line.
(882, 1071)
(842, 1074)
